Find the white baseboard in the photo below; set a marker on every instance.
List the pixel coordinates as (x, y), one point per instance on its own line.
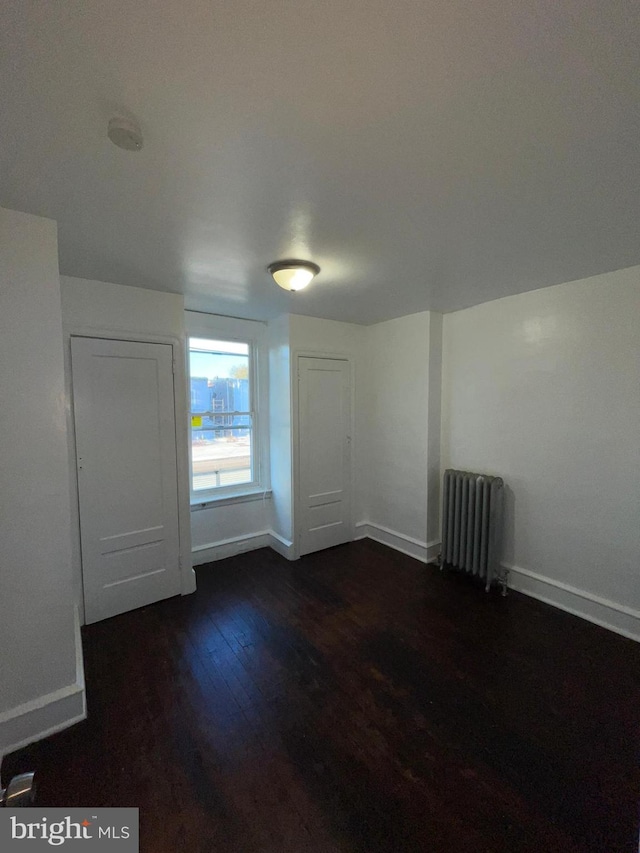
(47, 714)
(282, 546)
(239, 544)
(423, 551)
(187, 579)
(190, 585)
(229, 547)
(608, 614)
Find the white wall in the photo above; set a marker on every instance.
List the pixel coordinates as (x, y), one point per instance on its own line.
(220, 531)
(281, 507)
(396, 432)
(41, 678)
(103, 309)
(312, 334)
(102, 306)
(434, 422)
(543, 388)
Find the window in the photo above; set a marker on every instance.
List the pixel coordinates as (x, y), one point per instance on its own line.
(223, 417)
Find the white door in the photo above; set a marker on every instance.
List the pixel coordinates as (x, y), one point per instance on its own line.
(127, 473)
(324, 453)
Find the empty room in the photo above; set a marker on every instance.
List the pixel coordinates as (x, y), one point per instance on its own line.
(320, 426)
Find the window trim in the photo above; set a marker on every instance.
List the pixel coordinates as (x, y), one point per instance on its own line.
(227, 329)
(227, 500)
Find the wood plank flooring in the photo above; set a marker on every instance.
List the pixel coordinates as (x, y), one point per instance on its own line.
(355, 700)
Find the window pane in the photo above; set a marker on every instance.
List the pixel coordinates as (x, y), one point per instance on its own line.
(219, 376)
(221, 458)
(221, 393)
(211, 423)
(221, 440)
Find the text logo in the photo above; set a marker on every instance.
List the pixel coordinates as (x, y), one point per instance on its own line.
(33, 829)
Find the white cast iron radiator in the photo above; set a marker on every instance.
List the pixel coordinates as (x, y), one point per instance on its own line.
(472, 512)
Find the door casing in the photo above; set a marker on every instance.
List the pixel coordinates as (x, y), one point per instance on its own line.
(181, 400)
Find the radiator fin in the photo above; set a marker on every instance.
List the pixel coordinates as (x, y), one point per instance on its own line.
(472, 510)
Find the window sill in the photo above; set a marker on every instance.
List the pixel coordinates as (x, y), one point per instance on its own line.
(226, 500)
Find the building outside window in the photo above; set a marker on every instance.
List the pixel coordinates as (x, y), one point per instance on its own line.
(223, 417)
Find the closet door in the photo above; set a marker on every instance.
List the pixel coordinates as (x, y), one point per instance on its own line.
(324, 453)
(124, 414)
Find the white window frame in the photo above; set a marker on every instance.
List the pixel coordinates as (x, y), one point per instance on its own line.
(218, 328)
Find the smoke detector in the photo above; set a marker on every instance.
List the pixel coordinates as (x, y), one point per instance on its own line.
(125, 134)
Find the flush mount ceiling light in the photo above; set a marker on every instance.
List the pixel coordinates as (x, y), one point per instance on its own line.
(125, 134)
(293, 275)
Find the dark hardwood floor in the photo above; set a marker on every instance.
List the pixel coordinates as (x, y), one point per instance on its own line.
(353, 701)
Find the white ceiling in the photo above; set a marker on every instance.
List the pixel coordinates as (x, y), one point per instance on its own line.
(428, 154)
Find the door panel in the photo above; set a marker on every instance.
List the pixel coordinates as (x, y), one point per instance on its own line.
(324, 418)
(127, 473)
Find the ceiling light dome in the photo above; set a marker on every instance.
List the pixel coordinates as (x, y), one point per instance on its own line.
(293, 275)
